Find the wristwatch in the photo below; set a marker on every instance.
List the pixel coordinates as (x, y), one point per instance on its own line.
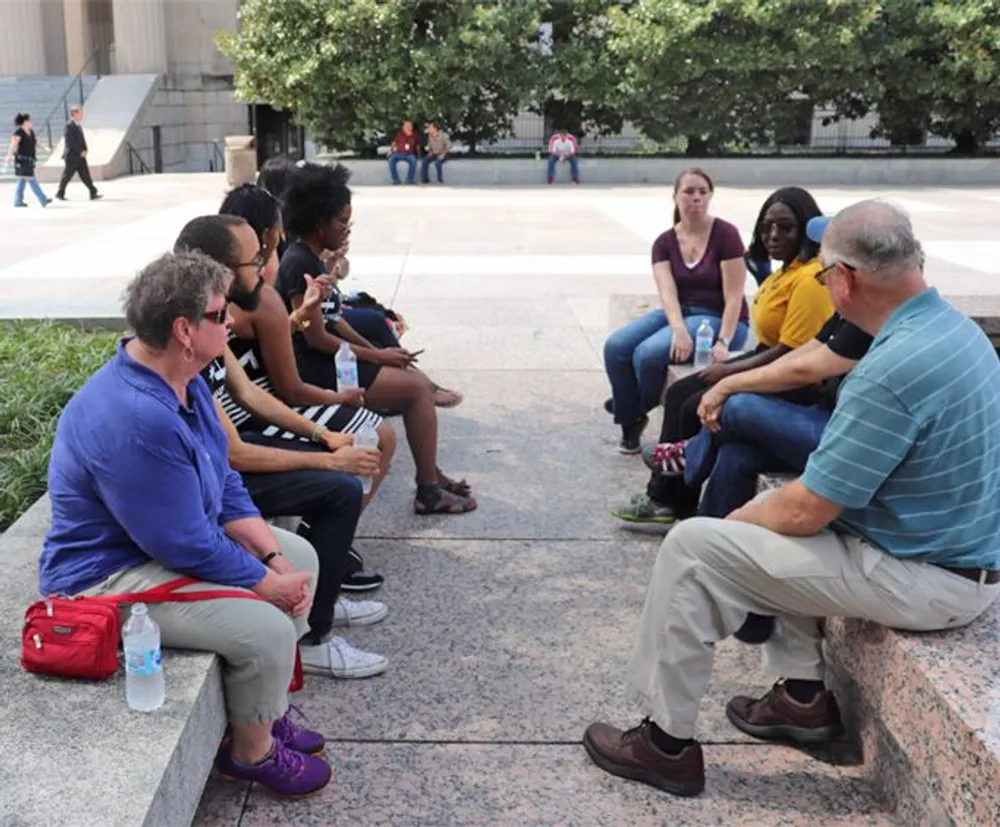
(267, 558)
(317, 434)
(724, 341)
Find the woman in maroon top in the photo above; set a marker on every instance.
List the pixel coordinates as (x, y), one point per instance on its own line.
(699, 272)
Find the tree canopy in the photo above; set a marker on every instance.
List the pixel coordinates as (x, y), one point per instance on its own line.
(353, 71)
(721, 73)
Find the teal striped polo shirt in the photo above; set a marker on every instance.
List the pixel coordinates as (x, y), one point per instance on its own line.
(912, 451)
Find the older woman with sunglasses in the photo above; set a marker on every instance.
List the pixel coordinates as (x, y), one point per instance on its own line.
(788, 310)
(142, 492)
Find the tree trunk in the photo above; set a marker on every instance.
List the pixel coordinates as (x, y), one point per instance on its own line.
(696, 145)
(966, 143)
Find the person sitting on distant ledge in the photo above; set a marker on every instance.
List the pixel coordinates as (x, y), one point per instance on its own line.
(405, 147)
(438, 147)
(894, 520)
(563, 147)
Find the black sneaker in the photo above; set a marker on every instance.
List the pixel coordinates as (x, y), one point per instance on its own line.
(363, 580)
(358, 578)
(96, 196)
(631, 435)
(60, 197)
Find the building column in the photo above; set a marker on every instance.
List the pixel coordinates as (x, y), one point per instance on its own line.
(77, 34)
(140, 37)
(22, 38)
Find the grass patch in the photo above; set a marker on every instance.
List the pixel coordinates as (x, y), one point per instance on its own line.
(42, 364)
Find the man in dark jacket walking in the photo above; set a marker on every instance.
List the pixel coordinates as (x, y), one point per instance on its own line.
(75, 156)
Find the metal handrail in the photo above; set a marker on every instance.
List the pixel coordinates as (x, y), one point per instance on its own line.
(64, 100)
(133, 155)
(218, 163)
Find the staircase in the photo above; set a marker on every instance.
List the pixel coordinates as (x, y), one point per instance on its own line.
(42, 98)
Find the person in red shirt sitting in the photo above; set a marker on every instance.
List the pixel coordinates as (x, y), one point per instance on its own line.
(405, 147)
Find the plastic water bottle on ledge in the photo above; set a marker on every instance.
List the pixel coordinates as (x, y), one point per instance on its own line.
(144, 685)
(367, 437)
(703, 345)
(347, 367)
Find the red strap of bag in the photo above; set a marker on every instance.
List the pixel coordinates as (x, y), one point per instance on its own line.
(81, 667)
(168, 593)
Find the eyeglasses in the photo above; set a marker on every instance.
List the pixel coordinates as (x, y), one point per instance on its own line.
(783, 228)
(259, 261)
(821, 275)
(217, 316)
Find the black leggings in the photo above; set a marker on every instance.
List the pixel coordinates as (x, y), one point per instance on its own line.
(329, 503)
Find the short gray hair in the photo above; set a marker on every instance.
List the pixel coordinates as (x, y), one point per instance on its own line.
(176, 285)
(875, 236)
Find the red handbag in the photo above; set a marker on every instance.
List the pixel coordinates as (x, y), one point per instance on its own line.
(77, 637)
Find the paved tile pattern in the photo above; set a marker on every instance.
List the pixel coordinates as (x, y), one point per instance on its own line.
(508, 627)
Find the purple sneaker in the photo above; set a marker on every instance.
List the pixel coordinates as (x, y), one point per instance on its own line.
(285, 772)
(295, 737)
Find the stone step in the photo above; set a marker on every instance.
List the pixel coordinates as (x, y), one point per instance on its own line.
(73, 749)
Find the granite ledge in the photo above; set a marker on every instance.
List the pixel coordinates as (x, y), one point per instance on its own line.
(932, 694)
(104, 763)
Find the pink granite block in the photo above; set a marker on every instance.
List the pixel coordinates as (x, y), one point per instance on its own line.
(934, 696)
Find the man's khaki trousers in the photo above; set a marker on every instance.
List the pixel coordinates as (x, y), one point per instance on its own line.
(711, 573)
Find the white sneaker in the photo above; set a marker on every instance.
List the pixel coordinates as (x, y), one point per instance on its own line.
(358, 612)
(338, 659)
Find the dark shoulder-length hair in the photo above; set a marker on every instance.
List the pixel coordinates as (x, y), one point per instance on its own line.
(803, 207)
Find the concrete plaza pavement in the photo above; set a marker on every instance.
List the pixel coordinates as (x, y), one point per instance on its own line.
(509, 628)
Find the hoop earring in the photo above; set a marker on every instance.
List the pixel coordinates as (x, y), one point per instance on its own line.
(188, 354)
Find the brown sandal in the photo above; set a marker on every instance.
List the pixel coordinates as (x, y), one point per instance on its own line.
(433, 499)
(454, 397)
(459, 487)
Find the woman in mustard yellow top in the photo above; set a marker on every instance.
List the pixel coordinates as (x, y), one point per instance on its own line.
(789, 309)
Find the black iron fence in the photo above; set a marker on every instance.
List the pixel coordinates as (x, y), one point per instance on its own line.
(813, 133)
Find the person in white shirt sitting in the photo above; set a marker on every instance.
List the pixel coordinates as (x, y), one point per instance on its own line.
(562, 147)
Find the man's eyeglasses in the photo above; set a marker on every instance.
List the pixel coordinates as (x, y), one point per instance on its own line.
(258, 262)
(217, 316)
(821, 275)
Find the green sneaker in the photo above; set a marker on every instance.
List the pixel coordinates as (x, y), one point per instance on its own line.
(641, 509)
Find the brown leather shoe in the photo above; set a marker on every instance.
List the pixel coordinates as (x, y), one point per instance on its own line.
(632, 754)
(779, 716)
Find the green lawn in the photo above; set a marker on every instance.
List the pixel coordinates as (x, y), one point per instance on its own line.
(41, 366)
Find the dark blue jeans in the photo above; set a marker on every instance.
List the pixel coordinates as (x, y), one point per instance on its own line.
(759, 433)
(636, 358)
(425, 164)
(574, 167)
(407, 158)
(329, 503)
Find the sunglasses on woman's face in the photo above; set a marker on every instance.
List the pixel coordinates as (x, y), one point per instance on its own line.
(783, 228)
(217, 316)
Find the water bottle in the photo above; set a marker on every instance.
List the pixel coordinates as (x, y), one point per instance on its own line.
(347, 368)
(703, 345)
(144, 686)
(367, 437)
